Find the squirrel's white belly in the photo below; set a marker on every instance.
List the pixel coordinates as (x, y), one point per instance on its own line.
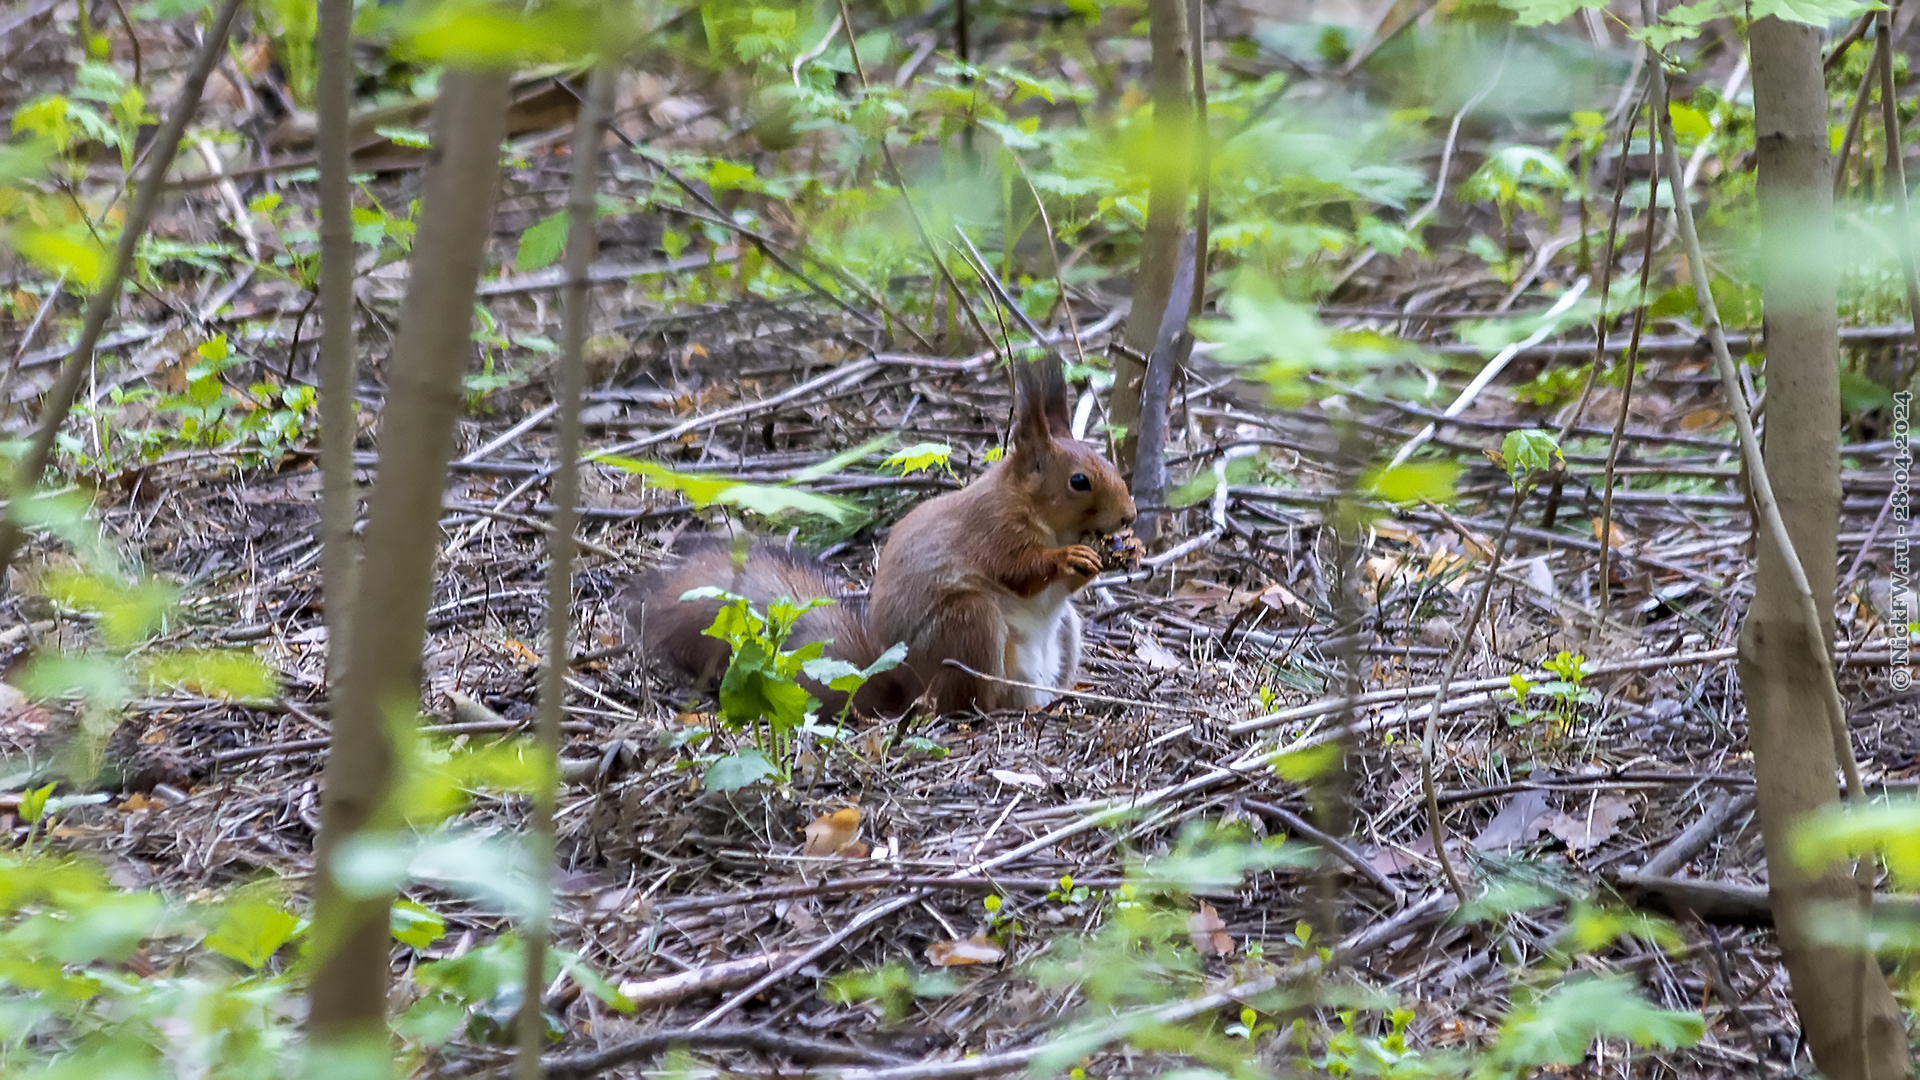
(1041, 630)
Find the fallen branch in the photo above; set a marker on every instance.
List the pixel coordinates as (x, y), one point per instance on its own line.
(1726, 902)
(764, 1040)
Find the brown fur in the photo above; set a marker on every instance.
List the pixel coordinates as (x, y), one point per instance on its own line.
(951, 564)
(962, 576)
(673, 631)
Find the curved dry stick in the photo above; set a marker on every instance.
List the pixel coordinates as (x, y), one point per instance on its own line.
(1632, 357)
(1896, 168)
(1436, 826)
(60, 399)
(1762, 485)
(1608, 255)
(1854, 117)
(1053, 256)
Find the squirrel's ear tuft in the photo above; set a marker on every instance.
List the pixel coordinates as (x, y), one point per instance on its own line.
(1040, 390)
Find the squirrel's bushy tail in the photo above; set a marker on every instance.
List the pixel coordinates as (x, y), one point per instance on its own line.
(672, 631)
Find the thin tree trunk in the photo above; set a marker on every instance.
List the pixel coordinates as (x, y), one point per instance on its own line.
(1838, 990)
(1166, 213)
(1170, 347)
(333, 148)
(380, 684)
(567, 391)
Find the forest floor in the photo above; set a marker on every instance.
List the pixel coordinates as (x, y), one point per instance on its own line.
(1197, 668)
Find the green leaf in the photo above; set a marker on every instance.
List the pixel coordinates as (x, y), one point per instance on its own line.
(754, 688)
(1413, 482)
(222, 673)
(1283, 341)
(1836, 831)
(920, 456)
(416, 925)
(497, 871)
(837, 674)
(66, 251)
(1591, 929)
(1821, 13)
(1561, 1026)
(1388, 239)
(1301, 766)
(1859, 393)
(34, 803)
(1527, 451)
(592, 981)
(713, 490)
(251, 931)
(1504, 897)
(541, 244)
(478, 34)
(774, 501)
(736, 771)
(97, 679)
(839, 461)
(1547, 12)
(1689, 123)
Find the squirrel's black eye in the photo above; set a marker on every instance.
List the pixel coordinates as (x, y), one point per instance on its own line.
(1079, 482)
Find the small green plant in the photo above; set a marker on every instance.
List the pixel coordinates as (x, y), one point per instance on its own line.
(210, 412)
(1515, 178)
(761, 695)
(1565, 695)
(1529, 451)
(1066, 892)
(479, 993)
(1000, 923)
(298, 257)
(1250, 1026)
(895, 988)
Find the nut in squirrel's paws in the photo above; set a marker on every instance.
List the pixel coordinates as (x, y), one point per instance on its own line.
(1121, 551)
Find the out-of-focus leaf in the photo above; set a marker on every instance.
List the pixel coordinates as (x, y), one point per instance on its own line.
(251, 931)
(224, 673)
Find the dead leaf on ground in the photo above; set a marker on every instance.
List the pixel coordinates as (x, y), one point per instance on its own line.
(1381, 568)
(1519, 822)
(1393, 859)
(1158, 656)
(1388, 529)
(1591, 825)
(1199, 595)
(1280, 598)
(1442, 563)
(1209, 932)
(1018, 779)
(833, 834)
(1616, 535)
(1702, 418)
(796, 913)
(519, 650)
(965, 953)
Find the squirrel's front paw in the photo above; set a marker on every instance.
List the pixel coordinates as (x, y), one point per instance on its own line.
(1078, 559)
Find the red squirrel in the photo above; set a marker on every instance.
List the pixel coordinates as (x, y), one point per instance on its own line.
(983, 576)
